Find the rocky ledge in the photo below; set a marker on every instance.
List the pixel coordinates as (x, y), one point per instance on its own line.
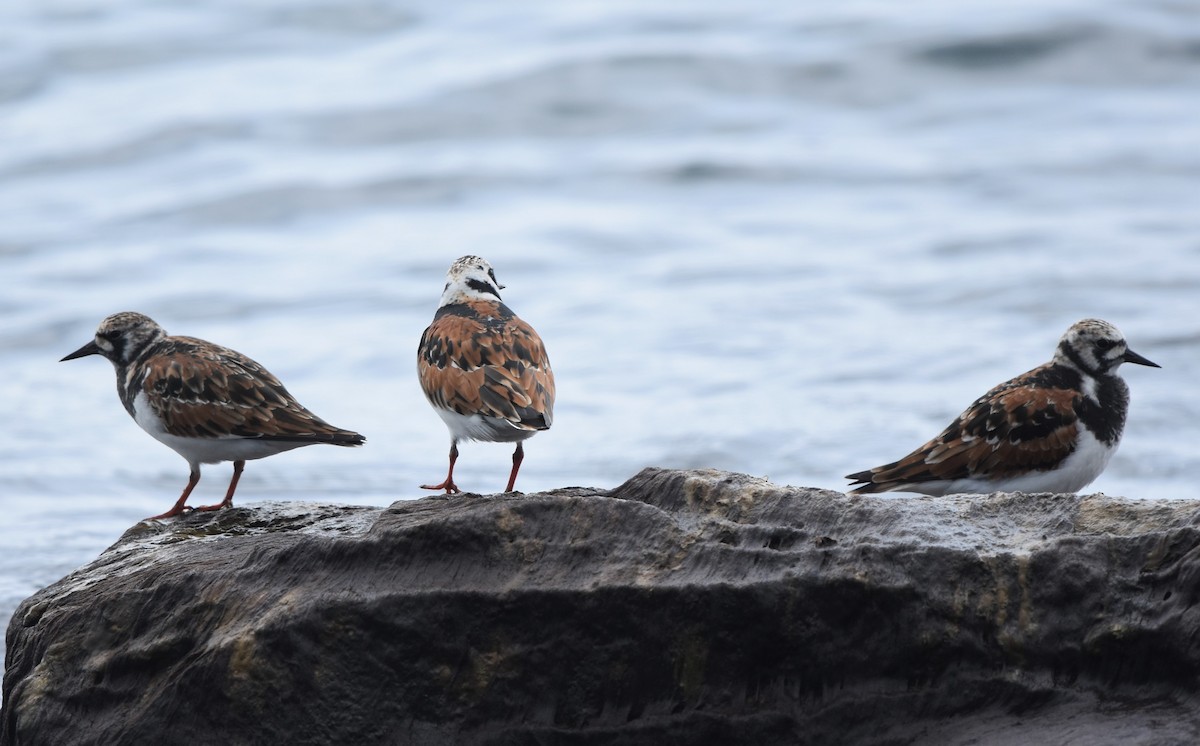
(681, 607)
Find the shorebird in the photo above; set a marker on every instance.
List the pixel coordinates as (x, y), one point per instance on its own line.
(1052, 429)
(483, 369)
(206, 402)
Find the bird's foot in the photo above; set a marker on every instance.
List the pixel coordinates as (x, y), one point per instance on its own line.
(173, 512)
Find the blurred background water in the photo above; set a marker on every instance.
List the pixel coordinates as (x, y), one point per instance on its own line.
(791, 240)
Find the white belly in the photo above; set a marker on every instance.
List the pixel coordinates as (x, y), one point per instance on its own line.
(480, 427)
(206, 450)
(1076, 471)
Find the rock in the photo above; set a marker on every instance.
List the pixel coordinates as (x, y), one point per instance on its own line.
(681, 607)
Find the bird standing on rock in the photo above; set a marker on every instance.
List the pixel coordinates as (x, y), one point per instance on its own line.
(1052, 429)
(206, 402)
(484, 370)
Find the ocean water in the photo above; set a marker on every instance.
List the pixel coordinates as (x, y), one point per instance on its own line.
(787, 241)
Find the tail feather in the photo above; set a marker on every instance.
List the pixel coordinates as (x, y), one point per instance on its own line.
(347, 438)
(862, 484)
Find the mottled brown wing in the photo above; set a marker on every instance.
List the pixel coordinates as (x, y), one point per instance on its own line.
(495, 367)
(203, 390)
(1012, 429)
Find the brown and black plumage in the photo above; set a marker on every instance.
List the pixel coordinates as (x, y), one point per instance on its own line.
(206, 402)
(484, 370)
(1052, 429)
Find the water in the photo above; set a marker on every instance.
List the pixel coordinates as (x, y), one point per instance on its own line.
(792, 242)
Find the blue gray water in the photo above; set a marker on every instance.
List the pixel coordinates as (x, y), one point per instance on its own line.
(789, 241)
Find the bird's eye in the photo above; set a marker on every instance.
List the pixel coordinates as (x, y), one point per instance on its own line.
(1106, 344)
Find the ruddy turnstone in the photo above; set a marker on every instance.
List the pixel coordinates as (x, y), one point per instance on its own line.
(206, 402)
(484, 370)
(1052, 429)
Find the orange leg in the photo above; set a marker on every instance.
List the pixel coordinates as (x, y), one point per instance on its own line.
(449, 486)
(228, 501)
(180, 504)
(518, 457)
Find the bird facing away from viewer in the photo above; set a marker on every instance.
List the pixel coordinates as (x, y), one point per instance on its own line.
(1052, 429)
(206, 402)
(484, 370)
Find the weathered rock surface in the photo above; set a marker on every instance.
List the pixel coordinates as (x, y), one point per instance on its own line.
(682, 607)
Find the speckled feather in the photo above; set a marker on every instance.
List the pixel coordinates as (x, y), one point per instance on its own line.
(478, 357)
(202, 390)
